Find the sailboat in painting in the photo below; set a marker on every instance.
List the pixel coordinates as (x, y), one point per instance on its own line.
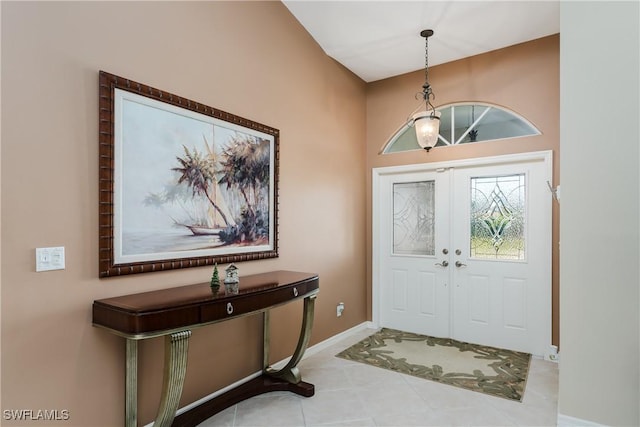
(217, 216)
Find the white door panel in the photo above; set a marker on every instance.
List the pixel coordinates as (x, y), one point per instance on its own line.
(414, 292)
(427, 293)
(500, 294)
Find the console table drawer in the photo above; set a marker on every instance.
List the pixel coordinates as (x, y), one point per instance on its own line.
(243, 304)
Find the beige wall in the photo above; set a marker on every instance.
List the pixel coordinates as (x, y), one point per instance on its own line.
(523, 78)
(250, 59)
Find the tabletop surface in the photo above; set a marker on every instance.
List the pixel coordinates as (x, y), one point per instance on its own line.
(202, 293)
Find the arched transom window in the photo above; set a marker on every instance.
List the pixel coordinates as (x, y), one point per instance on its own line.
(464, 123)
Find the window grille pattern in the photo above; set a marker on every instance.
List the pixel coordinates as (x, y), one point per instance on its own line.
(464, 123)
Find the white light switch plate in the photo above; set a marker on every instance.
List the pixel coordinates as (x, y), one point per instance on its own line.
(50, 258)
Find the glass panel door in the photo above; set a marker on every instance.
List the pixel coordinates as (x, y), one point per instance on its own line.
(414, 263)
(501, 276)
(414, 218)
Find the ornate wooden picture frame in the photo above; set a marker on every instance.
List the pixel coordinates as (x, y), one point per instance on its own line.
(181, 184)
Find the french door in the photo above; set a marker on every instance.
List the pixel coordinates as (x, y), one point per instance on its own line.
(415, 297)
(463, 250)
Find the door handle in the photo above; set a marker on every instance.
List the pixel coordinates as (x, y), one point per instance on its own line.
(444, 263)
(459, 264)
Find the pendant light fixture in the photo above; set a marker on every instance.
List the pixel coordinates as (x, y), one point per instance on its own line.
(426, 123)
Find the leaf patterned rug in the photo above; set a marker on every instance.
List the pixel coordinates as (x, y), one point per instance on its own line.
(489, 370)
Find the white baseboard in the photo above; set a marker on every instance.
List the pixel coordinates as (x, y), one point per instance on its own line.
(567, 421)
(326, 343)
(336, 338)
(309, 352)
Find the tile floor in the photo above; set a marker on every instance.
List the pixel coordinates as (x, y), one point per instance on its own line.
(353, 394)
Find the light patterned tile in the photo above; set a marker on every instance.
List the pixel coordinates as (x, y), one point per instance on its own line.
(349, 393)
(527, 415)
(544, 383)
(472, 416)
(325, 379)
(541, 365)
(540, 398)
(391, 399)
(535, 410)
(270, 409)
(416, 418)
(364, 375)
(366, 422)
(337, 406)
(444, 396)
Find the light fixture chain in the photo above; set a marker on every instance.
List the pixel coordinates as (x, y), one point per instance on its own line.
(426, 59)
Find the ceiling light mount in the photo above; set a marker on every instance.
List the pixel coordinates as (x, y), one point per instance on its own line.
(427, 123)
(426, 33)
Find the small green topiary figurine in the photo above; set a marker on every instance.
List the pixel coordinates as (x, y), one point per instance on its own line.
(215, 278)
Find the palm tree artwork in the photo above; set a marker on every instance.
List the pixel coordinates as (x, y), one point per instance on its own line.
(234, 183)
(198, 172)
(245, 168)
(189, 184)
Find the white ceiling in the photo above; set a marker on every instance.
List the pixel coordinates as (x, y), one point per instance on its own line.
(380, 39)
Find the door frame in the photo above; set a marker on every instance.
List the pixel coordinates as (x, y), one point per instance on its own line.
(545, 156)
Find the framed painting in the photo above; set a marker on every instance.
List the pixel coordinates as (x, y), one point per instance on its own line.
(181, 184)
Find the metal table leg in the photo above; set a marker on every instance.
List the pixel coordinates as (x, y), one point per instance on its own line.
(131, 384)
(176, 346)
(290, 372)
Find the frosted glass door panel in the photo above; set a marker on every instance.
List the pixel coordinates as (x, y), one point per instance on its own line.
(498, 217)
(414, 218)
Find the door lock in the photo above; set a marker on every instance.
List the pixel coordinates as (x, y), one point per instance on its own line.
(444, 263)
(445, 251)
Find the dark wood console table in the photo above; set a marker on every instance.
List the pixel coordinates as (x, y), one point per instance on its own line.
(174, 313)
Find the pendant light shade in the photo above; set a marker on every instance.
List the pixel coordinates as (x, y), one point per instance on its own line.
(426, 123)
